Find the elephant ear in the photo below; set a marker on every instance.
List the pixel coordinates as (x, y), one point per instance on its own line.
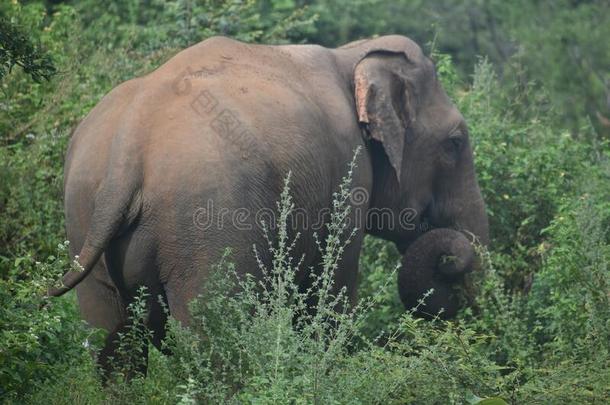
(383, 102)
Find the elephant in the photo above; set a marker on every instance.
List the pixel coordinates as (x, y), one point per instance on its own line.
(437, 260)
(169, 169)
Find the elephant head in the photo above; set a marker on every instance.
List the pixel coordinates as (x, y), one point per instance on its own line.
(423, 166)
(436, 261)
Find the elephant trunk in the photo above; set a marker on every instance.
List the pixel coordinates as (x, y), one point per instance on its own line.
(474, 220)
(459, 205)
(436, 261)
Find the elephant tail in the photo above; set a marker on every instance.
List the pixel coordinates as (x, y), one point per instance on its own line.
(116, 207)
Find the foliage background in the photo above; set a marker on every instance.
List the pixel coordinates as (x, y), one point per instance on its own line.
(533, 81)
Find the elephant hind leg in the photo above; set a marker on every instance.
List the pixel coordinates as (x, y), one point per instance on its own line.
(157, 320)
(103, 307)
(115, 357)
(180, 292)
(126, 347)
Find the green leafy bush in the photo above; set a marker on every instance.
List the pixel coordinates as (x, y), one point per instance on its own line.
(36, 335)
(17, 48)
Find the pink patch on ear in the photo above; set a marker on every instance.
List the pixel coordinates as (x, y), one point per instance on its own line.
(362, 92)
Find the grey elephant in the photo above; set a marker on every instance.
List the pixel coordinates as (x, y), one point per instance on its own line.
(171, 168)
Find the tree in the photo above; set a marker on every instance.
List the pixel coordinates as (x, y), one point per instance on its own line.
(16, 48)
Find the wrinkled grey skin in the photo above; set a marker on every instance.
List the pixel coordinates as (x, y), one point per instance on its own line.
(154, 152)
(437, 260)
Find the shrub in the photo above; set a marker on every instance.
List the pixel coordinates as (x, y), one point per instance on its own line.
(39, 339)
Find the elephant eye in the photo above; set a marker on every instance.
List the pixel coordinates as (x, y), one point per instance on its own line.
(457, 140)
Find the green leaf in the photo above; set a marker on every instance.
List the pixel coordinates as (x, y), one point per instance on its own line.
(492, 401)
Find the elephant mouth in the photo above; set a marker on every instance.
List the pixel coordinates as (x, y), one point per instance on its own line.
(423, 225)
